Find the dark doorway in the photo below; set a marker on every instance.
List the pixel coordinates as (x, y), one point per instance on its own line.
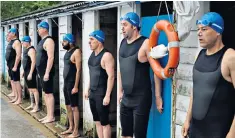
(77, 32)
(56, 91)
(27, 28)
(108, 24)
(226, 9)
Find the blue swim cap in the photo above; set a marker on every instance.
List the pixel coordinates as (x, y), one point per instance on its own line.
(13, 30)
(132, 18)
(99, 35)
(43, 24)
(69, 37)
(26, 39)
(213, 20)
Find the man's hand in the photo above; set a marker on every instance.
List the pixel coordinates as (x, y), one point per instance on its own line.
(14, 69)
(74, 90)
(185, 129)
(120, 94)
(29, 77)
(106, 100)
(159, 104)
(46, 77)
(86, 95)
(22, 75)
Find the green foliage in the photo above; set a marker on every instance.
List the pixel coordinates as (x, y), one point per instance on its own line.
(11, 9)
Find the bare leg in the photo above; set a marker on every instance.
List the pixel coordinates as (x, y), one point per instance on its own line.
(12, 94)
(70, 116)
(76, 122)
(107, 131)
(19, 93)
(50, 112)
(15, 92)
(36, 98)
(45, 99)
(31, 99)
(99, 129)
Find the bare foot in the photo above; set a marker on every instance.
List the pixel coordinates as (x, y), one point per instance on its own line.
(48, 120)
(73, 135)
(17, 102)
(11, 94)
(34, 110)
(42, 119)
(13, 100)
(29, 107)
(69, 131)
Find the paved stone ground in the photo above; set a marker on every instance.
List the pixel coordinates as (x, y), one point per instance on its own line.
(14, 125)
(54, 127)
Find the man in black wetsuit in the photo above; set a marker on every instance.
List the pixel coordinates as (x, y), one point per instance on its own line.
(30, 73)
(101, 68)
(134, 91)
(13, 58)
(72, 70)
(45, 68)
(212, 102)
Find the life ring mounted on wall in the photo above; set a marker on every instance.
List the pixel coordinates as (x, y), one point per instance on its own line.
(173, 45)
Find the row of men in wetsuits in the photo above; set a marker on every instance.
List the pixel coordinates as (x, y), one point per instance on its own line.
(212, 106)
(39, 61)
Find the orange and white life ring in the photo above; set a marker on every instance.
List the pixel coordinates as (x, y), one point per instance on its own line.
(173, 45)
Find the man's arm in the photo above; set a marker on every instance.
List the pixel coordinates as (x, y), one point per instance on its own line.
(143, 52)
(120, 89)
(157, 80)
(109, 67)
(143, 57)
(87, 89)
(32, 55)
(158, 95)
(231, 66)
(185, 127)
(189, 114)
(50, 47)
(231, 133)
(17, 47)
(78, 60)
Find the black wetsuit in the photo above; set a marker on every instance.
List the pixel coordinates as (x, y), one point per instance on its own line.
(41, 64)
(10, 58)
(98, 87)
(213, 98)
(27, 66)
(137, 97)
(69, 74)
